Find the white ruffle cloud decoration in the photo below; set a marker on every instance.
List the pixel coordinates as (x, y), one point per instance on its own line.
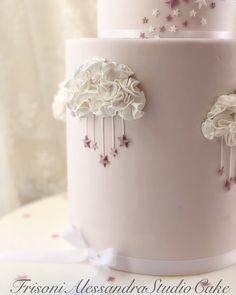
(221, 123)
(101, 88)
(104, 89)
(221, 120)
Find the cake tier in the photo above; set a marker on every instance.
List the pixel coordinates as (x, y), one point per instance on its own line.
(161, 199)
(174, 18)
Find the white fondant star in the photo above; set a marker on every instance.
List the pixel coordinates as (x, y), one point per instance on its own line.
(193, 13)
(176, 12)
(173, 29)
(155, 12)
(201, 3)
(204, 21)
(152, 29)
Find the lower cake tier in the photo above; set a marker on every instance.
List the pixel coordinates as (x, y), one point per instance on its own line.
(160, 203)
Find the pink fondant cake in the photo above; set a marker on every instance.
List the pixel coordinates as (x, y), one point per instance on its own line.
(151, 135)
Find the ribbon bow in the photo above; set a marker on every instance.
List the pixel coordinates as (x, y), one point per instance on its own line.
(81, 253)
(104, 258)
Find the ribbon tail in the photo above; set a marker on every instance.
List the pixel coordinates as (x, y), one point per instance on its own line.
(108, 257)
(75, 238)
(101, 277)
(56, 257)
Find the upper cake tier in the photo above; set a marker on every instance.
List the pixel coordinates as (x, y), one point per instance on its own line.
(165, 18)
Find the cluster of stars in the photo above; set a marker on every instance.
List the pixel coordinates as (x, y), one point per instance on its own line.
(124, 141)
(175, 12)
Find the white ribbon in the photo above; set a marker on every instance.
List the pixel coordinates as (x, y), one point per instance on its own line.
(103, 258)
(134, 34)
(81, 253)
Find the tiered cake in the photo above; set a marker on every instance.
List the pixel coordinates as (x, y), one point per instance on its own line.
(143, 178)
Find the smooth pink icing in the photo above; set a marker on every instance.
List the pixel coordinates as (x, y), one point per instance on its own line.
(128, 15)
(162, 198)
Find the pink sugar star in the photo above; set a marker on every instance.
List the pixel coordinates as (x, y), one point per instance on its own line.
(145, 20)
(169, 18)
(162, 29)
(94, 145)
(221, 171)
(205, 283)
(114, 152)
(124, 141)
(212, 5)
(104, 160)
(172, 3)
(228, 184)
(142, 35)
(111, 279)
(87, 142)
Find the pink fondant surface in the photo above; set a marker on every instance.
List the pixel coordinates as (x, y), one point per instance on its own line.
(162, 197)
(127, 15)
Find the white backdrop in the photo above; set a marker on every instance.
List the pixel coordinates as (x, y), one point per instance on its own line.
(32, 144)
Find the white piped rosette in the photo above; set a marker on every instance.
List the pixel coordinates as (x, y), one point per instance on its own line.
(100, 88)
(221, 123)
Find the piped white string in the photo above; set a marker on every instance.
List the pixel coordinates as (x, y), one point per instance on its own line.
(94, 131)
(86, 126)
(222, 153)
(231, 156)
(234, 164)
(113, 132)
(123, 126)
(103, 135)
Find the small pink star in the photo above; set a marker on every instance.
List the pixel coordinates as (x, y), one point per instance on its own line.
(221, 171)
(169, 18)
(205, 283)
(124, 141)
(104, 160)
(228, 184)
(114, 152)
(212, 5)
(162, 29)
(111, 279)
(87, 142)
(172, 3)
(94, 145)
(142, 35)
(145, 20)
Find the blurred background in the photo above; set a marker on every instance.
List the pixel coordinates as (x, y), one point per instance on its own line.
(32, 143)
